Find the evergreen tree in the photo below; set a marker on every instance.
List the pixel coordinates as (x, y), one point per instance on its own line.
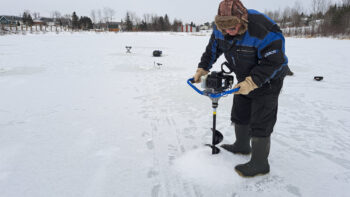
(336, 20)
(30, 21)
(24, 17)
(85, 23)
(167, 24)
(143, 26)
(128, 22)
(27, 18)
(75, 22)
(161, 24)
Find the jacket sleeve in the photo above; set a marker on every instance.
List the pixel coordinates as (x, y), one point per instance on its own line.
(272, 59)
(211, 54)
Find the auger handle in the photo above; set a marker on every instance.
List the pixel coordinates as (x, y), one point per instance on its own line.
(190, 82)
(218, 95)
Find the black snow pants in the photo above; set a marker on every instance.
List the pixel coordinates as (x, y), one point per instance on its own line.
(258, 109)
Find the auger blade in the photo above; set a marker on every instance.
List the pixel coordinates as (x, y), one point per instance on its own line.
(218, 137)
(214, 149)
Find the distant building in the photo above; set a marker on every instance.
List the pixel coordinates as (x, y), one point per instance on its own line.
(187, 28)
(9, 20)
(110, 26)
(38, 21)
(48, 21)
(204, 27)
(113, 26)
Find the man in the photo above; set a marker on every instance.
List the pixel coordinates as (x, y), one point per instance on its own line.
(253, 46)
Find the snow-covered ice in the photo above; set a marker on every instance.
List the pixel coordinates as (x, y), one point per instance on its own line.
(81, 117)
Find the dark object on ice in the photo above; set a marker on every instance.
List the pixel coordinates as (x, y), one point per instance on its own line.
(157, 53)
(157, 65)
(128, 48)
(289, 72)
(318, 78)
(258, 164)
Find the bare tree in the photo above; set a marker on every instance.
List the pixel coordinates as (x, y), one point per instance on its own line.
(134, 18)
(277, 15)
(111, 13)
(346, 2)
(286, 15)
(296, 14)
(99, 15)
(55, 15)
(274, 15)
(105, 15)
(93, 16)
(147, 18)
(36, 15)
(108, 14)
(67, 16)
(298, 7)
(346, 18)
(319, 6)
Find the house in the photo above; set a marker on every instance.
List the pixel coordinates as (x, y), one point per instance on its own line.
(113, 26)
(204, 27)
(9, 20)
(187, 28)
(48, 21)
(38, 21)
(109, 26)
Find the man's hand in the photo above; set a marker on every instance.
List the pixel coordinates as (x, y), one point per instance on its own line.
(200, 72)
(246, 86)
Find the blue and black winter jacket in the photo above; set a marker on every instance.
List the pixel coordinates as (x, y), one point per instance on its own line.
(259, 52)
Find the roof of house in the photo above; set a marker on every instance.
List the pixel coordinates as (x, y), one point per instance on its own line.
(3, 18)
(38, 20)
(44, 19)
(113, 25)
(9, 19)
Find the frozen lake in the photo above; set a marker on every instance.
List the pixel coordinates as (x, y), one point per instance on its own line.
(81, 117)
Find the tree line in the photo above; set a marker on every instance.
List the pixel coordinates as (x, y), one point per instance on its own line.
(324, 19)
(84, 22)
(150, 22)
(131, 22)
(73, 20)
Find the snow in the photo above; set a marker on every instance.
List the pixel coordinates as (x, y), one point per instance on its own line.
(81, 117)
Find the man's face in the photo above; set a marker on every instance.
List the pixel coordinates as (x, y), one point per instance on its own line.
(234, 30)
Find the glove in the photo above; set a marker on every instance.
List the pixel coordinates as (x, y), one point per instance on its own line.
(246, 86)
(200, 72)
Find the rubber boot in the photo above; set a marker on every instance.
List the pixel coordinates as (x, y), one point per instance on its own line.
(258, 164)
(242, 143)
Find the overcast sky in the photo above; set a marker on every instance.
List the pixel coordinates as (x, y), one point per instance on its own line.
(198, 11)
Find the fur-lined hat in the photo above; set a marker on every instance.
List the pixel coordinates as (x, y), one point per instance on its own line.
(230, 13)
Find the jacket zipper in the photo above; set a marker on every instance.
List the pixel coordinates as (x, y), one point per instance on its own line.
(244, 50)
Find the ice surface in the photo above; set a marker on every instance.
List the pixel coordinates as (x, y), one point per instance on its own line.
(81, 117)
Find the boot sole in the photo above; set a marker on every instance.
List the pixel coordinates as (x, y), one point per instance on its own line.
(237, 152)
(242, 175)
(245, 154)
